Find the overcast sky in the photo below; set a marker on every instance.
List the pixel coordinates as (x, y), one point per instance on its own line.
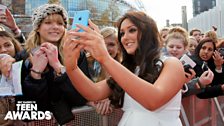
(161, 10)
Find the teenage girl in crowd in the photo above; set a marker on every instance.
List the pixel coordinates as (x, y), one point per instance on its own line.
(176, 44)
(206, 56)
(44, 77)
(140, 85)
(10, 46)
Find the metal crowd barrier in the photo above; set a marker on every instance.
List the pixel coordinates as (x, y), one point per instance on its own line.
(194, 112)
(84, 116)
(202, 112)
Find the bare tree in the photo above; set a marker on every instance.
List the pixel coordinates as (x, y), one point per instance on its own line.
(111, 14)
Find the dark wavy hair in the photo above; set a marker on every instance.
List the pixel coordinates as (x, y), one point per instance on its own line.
(15, 42)
(198, 60)
(201, 43)
(146, 56)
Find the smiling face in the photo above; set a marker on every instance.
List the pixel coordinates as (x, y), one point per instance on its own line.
(206, 51)
(52, 29)
(6, 46)
(129, 36)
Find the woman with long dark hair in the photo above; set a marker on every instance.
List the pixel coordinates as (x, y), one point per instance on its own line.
(206, 56)
(9, 47)
(145, 83)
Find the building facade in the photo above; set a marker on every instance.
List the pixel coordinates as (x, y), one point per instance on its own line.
(213, 17)
(103, 12)
(200, 6)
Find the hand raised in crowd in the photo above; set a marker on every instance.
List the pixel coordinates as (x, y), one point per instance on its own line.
(9, 20)
(51, 52)
(71, 50)
(206, 77)
(93, 42)
(6, 62)
(190, 76)
(39, 62)
(218, 59)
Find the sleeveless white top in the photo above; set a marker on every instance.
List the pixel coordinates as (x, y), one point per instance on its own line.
(136, 115)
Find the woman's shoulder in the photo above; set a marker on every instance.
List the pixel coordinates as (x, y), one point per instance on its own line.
(168, 59)
(164, 59)
(168, 62)
(171, 62)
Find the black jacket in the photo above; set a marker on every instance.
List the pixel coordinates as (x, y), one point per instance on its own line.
(214, 89)
(52, 93)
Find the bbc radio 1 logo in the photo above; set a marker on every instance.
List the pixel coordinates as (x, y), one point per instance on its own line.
(27, 110)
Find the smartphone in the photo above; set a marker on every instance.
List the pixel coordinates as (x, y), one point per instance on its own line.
(188, 63)
(221, 50)
(187, 68)
(204, 66)
(186, 60)
(81, 17)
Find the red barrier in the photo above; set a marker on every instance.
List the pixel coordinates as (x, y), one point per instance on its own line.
(203, 112)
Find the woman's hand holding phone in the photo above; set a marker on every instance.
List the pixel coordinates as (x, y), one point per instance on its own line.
(93, 42)
(189, 75)
(80, 17)
(71, 50)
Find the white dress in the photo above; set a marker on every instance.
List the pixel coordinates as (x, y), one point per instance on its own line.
(136, 115)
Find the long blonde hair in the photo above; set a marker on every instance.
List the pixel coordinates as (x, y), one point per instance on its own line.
(33, 40)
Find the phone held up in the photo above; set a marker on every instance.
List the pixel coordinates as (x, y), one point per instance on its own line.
(188, 63)
(204, 66)
(221, 51)
(81, 17)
